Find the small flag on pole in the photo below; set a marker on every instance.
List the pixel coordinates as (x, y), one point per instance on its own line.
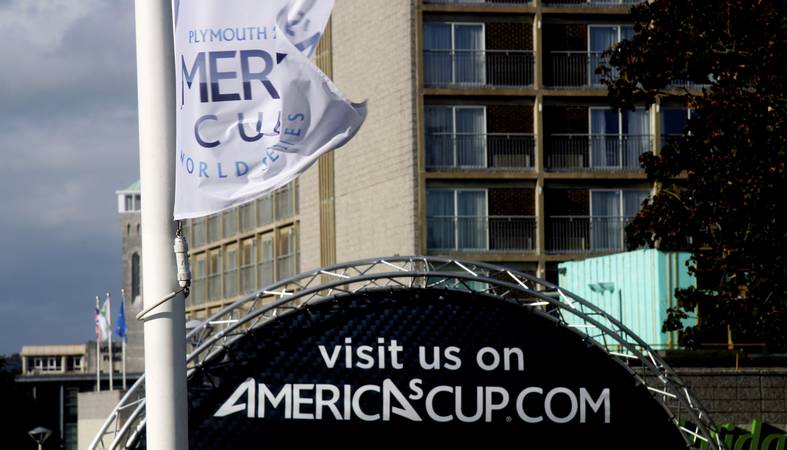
(121, 327)
(103, 322)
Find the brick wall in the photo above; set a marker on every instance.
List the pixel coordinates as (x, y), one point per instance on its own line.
(376, 183)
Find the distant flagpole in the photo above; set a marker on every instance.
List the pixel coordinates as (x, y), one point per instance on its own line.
(111, 352)
(98, 347)
(121, 330)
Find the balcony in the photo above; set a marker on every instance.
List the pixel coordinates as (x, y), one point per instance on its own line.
(599, 152)
(599, 3)
(488, 233)
(512, 151)
(574, 69)
(478, 68)
(585, 234)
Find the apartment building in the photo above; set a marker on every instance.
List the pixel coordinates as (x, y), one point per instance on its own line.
(489, 137)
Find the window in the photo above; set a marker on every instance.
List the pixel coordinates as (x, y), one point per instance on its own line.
(214, 274)
(214, 233)
(53, 364)
(38, 363)
(610, 212)
(129, 203)
(618, 138)
(454, 53)
(138, 202)
(286, 259)
(248, 260)
(266, 260)
(265, 210)
(136, 273)
(230, 223)
(231, 271)
(456, 136)
(457, 219)
(200, 232)
(247, 216)
(601, 38)
(198, 293)
(284, 202)
(673, 122)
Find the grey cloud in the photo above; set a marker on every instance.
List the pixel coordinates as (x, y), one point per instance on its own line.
(68, 140)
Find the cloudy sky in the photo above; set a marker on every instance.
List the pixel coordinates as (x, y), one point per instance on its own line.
(68, 141)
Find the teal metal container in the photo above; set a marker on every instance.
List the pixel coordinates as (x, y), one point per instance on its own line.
(635, 287)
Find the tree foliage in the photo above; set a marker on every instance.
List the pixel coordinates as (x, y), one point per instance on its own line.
(722, 184)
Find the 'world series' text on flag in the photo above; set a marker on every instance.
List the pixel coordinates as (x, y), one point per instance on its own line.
(253, 112)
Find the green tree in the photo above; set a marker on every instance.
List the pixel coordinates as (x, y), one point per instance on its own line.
(722, 184)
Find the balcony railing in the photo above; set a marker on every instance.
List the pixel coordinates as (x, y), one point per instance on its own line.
(601, 3)
(480, 151)
(585, 234)
(476, 2)
(481, 233)
(598, 152)
(574, 69)
(478, 68)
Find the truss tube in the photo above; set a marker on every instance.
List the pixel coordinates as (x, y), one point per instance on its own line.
(310, 288)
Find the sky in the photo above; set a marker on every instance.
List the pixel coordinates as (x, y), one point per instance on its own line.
(68, 141)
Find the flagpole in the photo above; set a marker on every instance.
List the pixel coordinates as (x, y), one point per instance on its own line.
(98, 348)
(124, 337)
(165, 328)
(111, 349)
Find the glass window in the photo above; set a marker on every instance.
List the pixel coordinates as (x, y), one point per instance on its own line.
(456, 219)
(265, 210)
(266, 275)
(231, 271)
(138, 202)
(136, 276)
(230, 223)
(198, 293)
(454, 53)
(285, 253)
(456, 136)
(284, 202)
(200, 232)
(247, 216)
(248, 262)
(610, 211)
(673, 122)
(129, 203)
(214, 274)
(214, 233)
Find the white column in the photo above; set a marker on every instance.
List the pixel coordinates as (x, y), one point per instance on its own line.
(165, 331)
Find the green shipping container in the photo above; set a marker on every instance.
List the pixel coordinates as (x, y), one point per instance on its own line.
(634, 287)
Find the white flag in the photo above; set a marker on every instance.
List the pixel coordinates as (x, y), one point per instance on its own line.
(253, 111)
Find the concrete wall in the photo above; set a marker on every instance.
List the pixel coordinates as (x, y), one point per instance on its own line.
(375, 175)
(94, 408)
(740, 396)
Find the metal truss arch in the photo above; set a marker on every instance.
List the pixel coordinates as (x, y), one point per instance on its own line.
(215, 336)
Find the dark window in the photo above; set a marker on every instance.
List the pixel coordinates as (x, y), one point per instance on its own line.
(135, 276)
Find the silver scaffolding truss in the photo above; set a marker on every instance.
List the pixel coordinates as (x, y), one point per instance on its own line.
(215, 335)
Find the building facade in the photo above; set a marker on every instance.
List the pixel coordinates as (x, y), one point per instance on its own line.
(489, 137)
(129, 212)
(55, 376)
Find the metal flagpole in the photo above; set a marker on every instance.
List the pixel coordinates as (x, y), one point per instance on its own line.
(165, 328)
(110, 349)
(98, 347)
(124, 337)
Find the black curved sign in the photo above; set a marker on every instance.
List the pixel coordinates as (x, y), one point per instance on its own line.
(421, 367)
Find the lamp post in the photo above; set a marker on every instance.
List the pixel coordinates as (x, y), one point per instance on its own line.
(40, 434)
